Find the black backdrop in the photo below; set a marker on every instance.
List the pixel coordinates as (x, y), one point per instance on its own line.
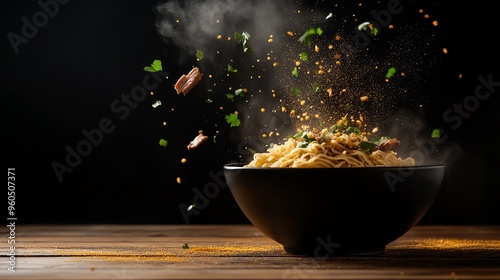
(65, 78)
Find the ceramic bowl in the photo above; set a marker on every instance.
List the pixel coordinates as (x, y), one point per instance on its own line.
(325, 212)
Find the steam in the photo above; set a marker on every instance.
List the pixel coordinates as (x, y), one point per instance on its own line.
(412, 129)
(193, 25)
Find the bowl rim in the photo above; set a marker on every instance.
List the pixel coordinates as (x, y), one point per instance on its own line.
(240, 165)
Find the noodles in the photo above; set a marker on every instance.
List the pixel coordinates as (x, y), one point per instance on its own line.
(334, 147)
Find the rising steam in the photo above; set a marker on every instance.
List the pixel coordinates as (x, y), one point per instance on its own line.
(193, 25)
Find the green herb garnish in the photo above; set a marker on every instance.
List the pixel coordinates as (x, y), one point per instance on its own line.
(296, 91)
(304, 140)
(303, 56)
(363, 26)
(367, 25)
(185, 246)
(339, 127)
(353, 129)
(315, 87)
(243, 40)
(231, 69)
(163, 142)
(295, 72)
(233, 120)
(436, 133)
(155, 66)
(306, 38)
(199, 55)
(367, 146)
(239, 92)
(390, 72)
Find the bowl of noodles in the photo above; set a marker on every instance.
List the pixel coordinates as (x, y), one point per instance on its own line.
(333, 192)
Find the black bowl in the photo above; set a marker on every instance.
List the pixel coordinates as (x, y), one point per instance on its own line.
(325, 212)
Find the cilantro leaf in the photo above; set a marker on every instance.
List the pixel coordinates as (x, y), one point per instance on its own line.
(239, 92)
(302, 144)
(363, 26)
(367, 25)
(295, 72)
(306, 38)
(231, 69)
(199, 55)
(185, 246)
(303, 56)
(315, 87)
(163, 142)
(436, 133)
(156, 104)
(304, 139)
(296, 92)
(233, 120)
(155, 66)
(243, 40)
(367, 146)
(390, 72)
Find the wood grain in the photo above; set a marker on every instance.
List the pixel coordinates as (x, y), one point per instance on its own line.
(240, 252)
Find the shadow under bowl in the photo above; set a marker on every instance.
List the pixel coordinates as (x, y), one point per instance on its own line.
(324, 212)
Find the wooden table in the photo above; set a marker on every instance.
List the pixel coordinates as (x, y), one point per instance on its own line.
(239, 252)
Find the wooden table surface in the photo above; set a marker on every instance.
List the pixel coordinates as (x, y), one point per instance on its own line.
(238, 252)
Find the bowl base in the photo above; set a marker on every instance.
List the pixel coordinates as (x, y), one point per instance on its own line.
(345, 252)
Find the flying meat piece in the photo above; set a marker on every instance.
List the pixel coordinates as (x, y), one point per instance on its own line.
(389, 145)
(197, 141)
(187, 82)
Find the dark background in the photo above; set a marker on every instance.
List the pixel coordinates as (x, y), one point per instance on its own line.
(65, 78)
